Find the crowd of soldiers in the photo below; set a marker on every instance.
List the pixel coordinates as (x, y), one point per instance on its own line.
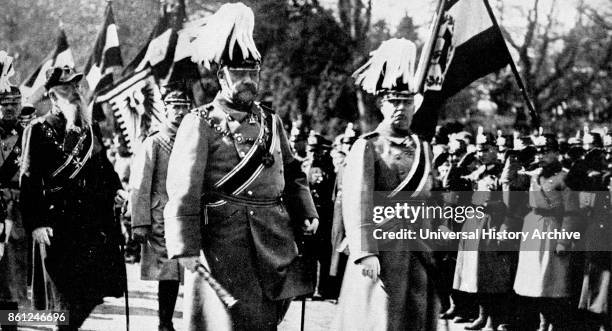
(219, 198)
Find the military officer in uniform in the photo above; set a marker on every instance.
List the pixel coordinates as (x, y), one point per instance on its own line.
(238, 200)
(544, 271)
(13, 239)
(148, 197)
(319, 169)
(68, 188)
(480, 269)
(386, 289)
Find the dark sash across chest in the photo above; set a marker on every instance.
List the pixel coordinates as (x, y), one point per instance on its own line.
(72, 159)
(255, 160)
(419, 171)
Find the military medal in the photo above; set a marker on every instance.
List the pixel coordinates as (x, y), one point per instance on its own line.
(268, 159)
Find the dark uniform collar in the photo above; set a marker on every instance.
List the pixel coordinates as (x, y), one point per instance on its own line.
(234, 111)
(56, 122)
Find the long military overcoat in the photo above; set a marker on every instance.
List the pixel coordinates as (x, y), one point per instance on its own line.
(404, 297)
(245, 222)
(83, 262)
(148, 198)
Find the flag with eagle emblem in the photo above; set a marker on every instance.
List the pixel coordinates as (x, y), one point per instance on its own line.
(137, 106)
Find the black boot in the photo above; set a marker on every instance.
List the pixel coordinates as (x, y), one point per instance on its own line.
(166, 296)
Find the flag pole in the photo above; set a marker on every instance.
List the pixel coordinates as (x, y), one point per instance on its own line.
(535, 117)
(424, 62)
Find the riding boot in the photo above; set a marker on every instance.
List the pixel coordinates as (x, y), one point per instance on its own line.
(166, 295)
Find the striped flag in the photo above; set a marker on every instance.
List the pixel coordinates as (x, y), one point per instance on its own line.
(465, 44)
(106, 54)
(33, 88)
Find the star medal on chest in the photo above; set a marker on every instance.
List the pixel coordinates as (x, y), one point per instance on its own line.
(267, 159)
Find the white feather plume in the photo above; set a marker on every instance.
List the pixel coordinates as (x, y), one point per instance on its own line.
(395, 58)
(233, 23)
(6, 72)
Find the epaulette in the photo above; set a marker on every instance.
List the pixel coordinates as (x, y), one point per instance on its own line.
(265, 108)
(369, 135)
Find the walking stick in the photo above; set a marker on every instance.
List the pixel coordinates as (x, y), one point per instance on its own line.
(125, 282)
(303, 313)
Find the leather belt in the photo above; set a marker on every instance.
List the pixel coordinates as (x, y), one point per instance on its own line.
(216, 197)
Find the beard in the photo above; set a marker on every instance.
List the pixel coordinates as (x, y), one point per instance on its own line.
(74, 112)
(244, 93)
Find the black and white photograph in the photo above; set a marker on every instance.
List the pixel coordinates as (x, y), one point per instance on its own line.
(306, 165)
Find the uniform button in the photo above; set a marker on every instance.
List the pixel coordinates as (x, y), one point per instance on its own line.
(242, 154)
(250, 192)
(251, 213)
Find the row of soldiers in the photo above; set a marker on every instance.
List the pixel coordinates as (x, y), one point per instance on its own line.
(483, 286)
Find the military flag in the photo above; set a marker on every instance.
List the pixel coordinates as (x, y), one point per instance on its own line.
(32, 88)
(465, 44)
(105, 56)
(137, 106)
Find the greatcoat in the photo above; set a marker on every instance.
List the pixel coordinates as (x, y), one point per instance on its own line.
(148, 197)
(83, 264)
(404, 296)
(541, 273)
(246, 223)
(480, 267)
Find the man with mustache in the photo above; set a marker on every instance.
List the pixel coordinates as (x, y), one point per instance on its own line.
(386, 288)
(68, 188)
(238, 200)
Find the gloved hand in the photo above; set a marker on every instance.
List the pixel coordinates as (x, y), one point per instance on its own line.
(43, 235)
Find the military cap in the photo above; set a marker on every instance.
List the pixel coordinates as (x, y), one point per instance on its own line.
(28, 112)
(60, 76)
(177, 97)
(11, 96)
(318, 142)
